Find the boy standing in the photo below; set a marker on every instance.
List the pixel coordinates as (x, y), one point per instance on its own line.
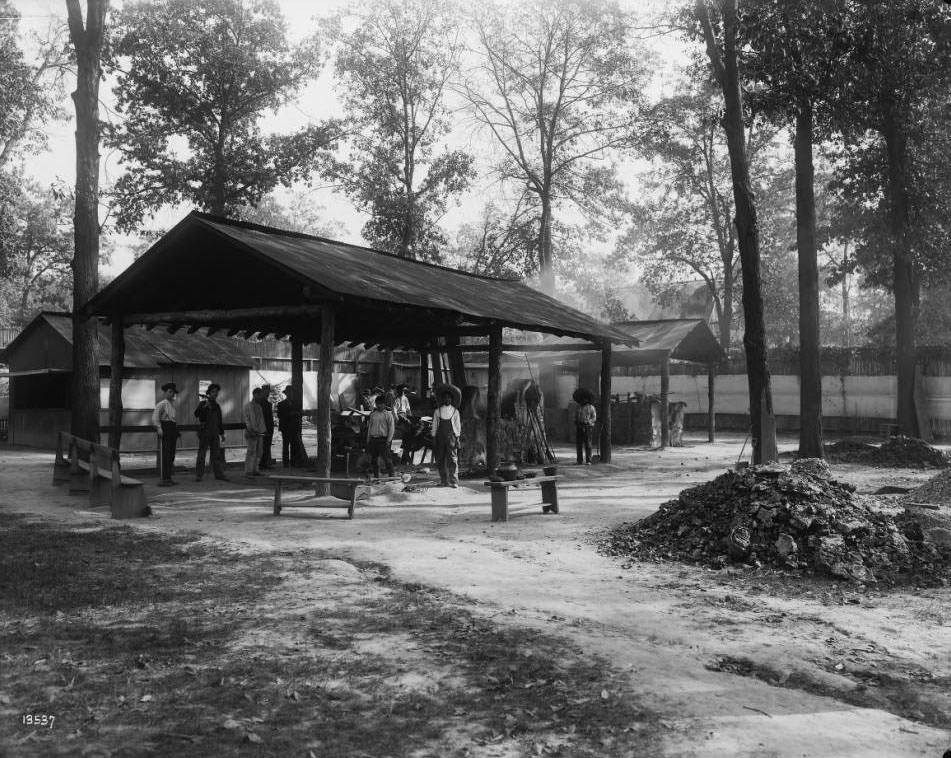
(380, 430)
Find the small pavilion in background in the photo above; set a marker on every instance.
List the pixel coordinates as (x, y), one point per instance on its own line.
(244, 279)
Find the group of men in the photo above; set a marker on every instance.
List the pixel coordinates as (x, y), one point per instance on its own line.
(258, 418)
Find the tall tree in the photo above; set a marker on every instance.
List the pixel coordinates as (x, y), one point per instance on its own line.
(395, 68)
(795, 53)
(899, 65)
(720, 34)
(88, 36)
(682, 223)
(193, 80)
(559, 89)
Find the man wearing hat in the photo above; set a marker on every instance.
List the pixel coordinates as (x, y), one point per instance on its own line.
(163, 419)
(289, 425)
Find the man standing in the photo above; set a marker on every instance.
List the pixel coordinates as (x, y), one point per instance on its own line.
(211, 434)
(289, 425)
(585, 418)
(268, 411)
(380, 428)
(163, 419)
(254, 431)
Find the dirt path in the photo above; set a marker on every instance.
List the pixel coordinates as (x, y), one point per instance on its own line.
(737, 665)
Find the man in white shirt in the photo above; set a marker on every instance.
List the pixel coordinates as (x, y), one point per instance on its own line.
(164, 421)
(254, 431)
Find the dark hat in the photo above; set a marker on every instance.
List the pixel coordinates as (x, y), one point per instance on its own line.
(288, 389)
(377, 389)
(213, 386)
(170, 386)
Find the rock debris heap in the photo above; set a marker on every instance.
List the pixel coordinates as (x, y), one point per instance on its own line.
(792, 518)
(896, 452)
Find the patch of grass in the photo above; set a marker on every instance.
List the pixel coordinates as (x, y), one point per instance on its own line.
(195, 651)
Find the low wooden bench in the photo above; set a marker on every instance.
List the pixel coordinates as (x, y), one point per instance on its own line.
(93, 469)
(344, 489)
(500, 494)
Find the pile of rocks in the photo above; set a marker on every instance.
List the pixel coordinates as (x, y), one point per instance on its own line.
(792, 518)
(936, 490)
(896, 452)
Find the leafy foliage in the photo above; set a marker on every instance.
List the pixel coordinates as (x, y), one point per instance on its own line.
(559, 87)
(193, 81)
(395, 68)
(30, 92)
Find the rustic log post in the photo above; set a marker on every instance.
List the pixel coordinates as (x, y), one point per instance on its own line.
(117, 364)
(605, 412)
(493, 400)
(423, 372)
(665, 402)
(457, 367)
(439, 376)
(297, 372)
(324, 387)
(711, 394)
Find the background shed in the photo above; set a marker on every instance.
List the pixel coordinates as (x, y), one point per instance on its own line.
(40, 365)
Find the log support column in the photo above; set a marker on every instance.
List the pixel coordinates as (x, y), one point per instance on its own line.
(423, 372)
(665, 402)
(117, 365)
(605, 410)
(493, 401)
(711, 394)
(324, 386)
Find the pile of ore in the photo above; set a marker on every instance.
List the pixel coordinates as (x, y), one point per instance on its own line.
(897, 452)
(792, 518)
(936, 490)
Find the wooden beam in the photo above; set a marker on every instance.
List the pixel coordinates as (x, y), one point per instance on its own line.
(605, 410)
(233, 332)
(192, 329)
(665, 402)
(533, 348)
(212, 330)
(457, 367)
(423, 372)
(210, 316)
(117, 366)
(493, 401)
(324, 387)
(174, 328)
(711, 394)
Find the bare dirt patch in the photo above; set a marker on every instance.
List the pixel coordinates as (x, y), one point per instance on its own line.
(139, 644)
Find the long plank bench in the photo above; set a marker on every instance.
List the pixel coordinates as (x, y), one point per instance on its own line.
(500, 494)
(344, 489)
(93, 469)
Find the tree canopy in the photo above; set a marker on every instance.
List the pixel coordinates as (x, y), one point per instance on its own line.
(193, 82)
(395, 69)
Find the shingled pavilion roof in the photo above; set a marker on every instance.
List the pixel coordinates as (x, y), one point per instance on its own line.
(242, 277)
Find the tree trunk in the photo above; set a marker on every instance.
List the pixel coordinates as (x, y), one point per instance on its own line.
(117, 363)
(810, 372)
(724, 328)
(324, 387)
(905, 284)
(762, 423)
(87, 40)
(545, 253)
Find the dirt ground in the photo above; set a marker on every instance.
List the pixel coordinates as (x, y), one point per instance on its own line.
(733, 663)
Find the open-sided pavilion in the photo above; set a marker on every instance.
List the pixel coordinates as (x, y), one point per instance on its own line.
(244, 279)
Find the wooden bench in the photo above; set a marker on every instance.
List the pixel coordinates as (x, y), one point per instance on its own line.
(345, 489)
(92, 468)
(500, 494)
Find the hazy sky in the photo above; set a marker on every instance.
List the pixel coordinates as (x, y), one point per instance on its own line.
(316, 103)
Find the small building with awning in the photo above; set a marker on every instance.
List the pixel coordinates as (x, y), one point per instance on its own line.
(40, 360)
(660, 343)
(243, 279)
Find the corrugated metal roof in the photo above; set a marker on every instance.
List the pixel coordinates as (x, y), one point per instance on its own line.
(151, 349)
(255, 266)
